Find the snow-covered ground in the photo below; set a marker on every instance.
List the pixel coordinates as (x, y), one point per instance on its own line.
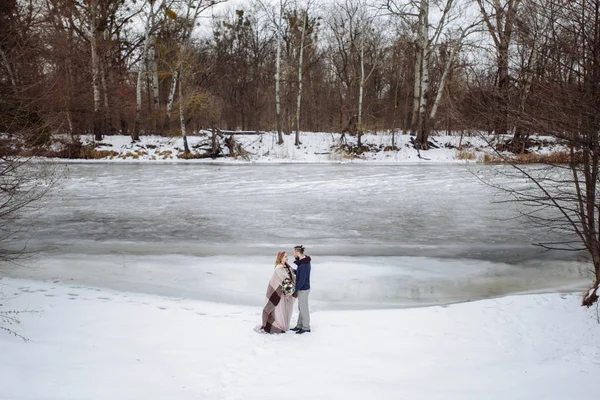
(316, 147)
(89, 343)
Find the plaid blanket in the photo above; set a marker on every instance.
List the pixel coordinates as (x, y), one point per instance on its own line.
(278, 308)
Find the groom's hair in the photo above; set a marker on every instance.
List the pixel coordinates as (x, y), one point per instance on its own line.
(300, 248)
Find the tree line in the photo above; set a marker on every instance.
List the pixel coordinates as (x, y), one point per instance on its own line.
(173, 66)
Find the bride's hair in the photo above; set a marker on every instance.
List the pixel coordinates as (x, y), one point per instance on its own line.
(279, 257)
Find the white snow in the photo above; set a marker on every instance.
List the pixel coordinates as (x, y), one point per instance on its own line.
(316, 147)
(89, 343)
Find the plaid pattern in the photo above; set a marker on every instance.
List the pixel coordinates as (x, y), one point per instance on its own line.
(274, 297)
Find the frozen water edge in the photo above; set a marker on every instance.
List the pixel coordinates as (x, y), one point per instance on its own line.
(338, 282)
(90, 343)
(381, 236)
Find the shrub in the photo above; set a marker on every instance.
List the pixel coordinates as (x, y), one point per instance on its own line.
(465, 155)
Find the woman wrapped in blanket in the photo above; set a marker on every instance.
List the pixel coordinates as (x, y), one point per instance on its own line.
(279, 303)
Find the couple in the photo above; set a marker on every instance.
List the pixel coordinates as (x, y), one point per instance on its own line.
(286, 285)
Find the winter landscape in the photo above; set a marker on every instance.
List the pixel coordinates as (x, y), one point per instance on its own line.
(160, 299)
(438, 161)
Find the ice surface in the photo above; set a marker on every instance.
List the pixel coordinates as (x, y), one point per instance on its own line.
(381, 235)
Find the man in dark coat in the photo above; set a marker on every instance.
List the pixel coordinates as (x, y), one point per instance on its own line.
(302, 289)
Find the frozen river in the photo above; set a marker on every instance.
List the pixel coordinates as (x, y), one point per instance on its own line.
(380, 236)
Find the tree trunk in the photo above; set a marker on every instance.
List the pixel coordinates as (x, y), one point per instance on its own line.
(9, 70)
(186, 149)
(422, 129)
(416, 86)
(135, 134)
(214, 147)
(360, 91)
(422, 134)
(278, 80)
(501, 34)
(97, 125)
(138, 89)
(442, 84)
(191, 17)
(174, 81)
(107, 118)
(503, 86)
(299, 102)
(69, 83)
(155, 86)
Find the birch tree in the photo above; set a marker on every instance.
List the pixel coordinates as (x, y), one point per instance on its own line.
(277, 20)
(425, 44)
(440, 90)
(346, 28)
(456, 41)
(155, 82)
(192, 13)
(300, 66)
(103, 24)
(279, 28)
(371, 37)
(99, 122)
(149, 26)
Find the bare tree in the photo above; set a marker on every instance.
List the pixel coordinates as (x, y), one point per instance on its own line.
(372, 38)
(25, 123)
(276, 18)
(347, 23)
(282, 6)
(300, 67)
(500, 18)
(23, 185)
(99, 124)
(425, 43)
(143, 63)
(564, 102)
(192, 13)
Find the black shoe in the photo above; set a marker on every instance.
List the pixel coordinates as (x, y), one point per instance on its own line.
(301, 331)
(296, 329)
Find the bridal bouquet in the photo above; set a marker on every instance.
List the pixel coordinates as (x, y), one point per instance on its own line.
(287, 286)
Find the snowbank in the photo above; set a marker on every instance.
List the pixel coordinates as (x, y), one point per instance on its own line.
(90, 343)
(316, 147)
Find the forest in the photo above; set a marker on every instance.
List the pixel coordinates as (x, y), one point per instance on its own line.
(174, 67)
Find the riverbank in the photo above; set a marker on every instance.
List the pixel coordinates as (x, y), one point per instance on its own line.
(91, 343)
(315, 147)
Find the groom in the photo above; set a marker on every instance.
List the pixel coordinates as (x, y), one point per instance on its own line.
(302, 289)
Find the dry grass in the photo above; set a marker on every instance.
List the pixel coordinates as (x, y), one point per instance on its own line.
(194, 155)
(465, 155)
(561, 157)
(89, 153)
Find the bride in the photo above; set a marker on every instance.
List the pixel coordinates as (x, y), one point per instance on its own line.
(279, 303)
